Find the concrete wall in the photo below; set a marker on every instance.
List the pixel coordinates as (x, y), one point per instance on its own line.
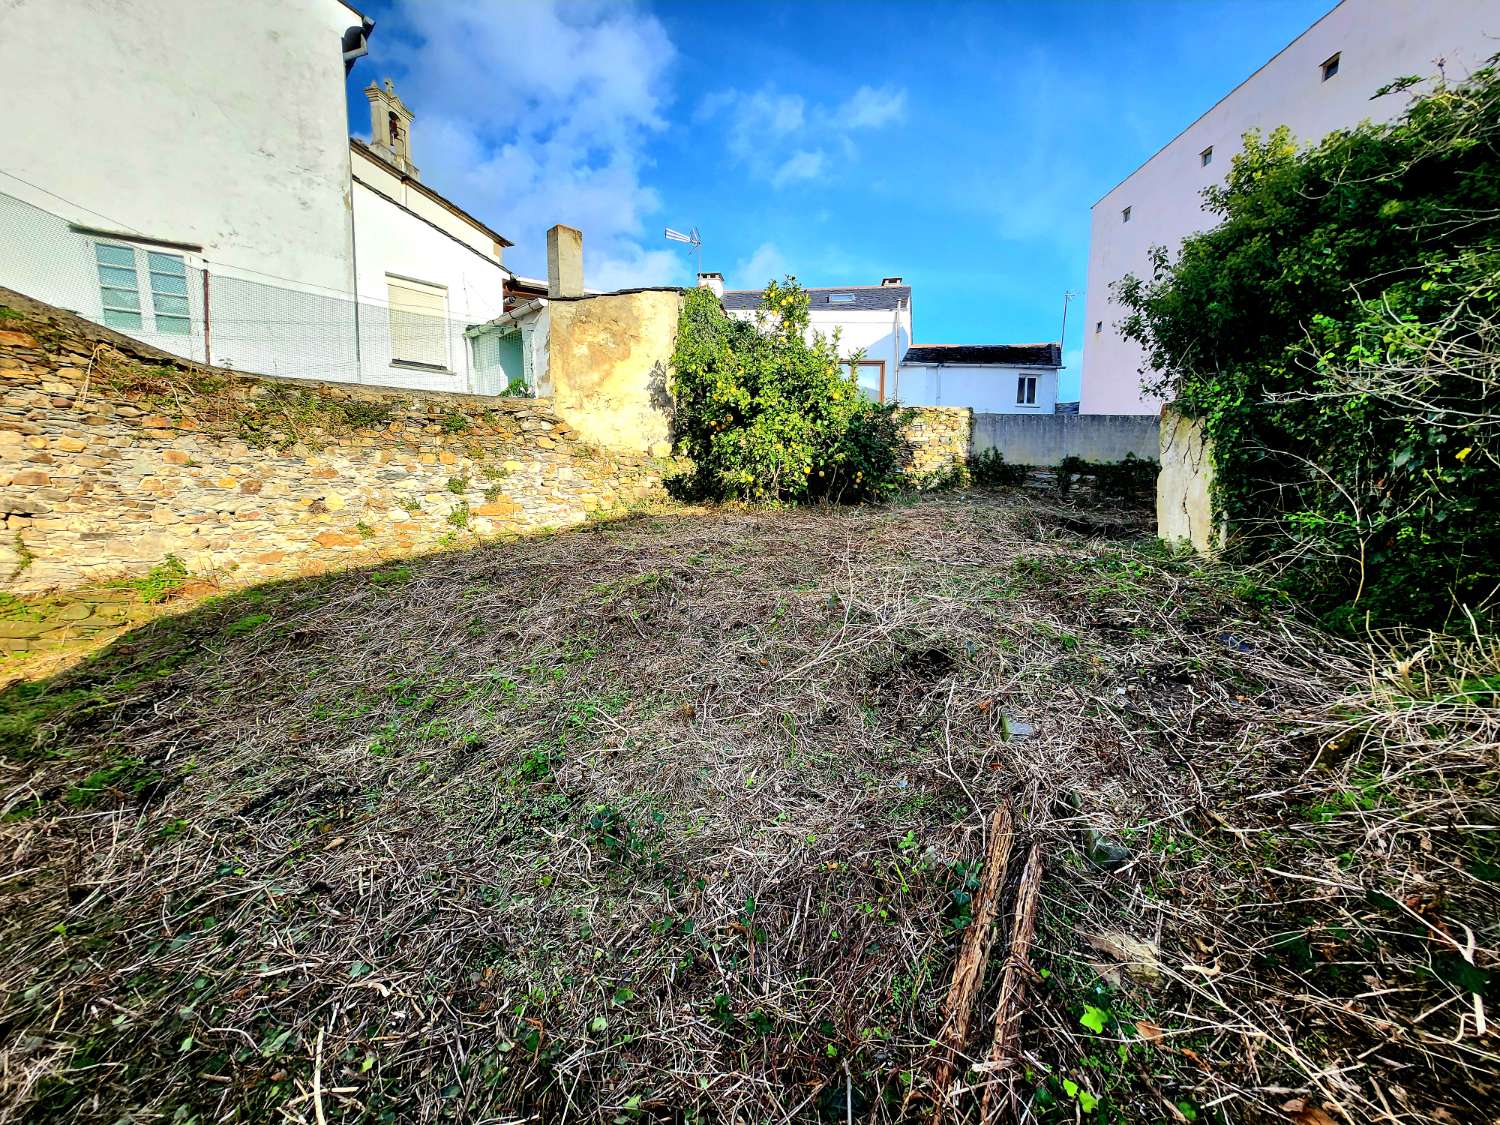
(1377, 41)
(216, 123)
(982, 388)
(1184, 487)
(607, 366)
(1047, 438)
(107, 466)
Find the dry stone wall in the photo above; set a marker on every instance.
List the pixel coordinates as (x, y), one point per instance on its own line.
(939, 437)
(114, 456)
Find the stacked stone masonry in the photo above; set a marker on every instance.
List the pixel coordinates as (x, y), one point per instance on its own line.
(939, 437)
(99, 484)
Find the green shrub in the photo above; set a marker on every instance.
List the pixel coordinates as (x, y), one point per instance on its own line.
(764, 415)
(989, 469)
(1336, 334)
(1132, 479)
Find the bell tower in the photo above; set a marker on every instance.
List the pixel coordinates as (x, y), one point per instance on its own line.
(390, 126)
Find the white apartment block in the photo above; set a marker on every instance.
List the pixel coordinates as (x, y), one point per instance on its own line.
(1322, 81)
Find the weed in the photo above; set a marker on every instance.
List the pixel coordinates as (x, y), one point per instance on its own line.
(458, 485)
(459, 516)
(365, 530)
(247, 624)
(393, 576)
(454, 422)
(161, 581)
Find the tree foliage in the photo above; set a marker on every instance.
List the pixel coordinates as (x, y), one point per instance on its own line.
(765, 413)
(1337, 335)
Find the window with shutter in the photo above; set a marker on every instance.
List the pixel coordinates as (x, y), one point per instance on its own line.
(419, 323)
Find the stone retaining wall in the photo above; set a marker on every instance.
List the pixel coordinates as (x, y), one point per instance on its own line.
(114, 456)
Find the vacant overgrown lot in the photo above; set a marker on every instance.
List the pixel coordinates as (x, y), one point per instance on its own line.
(680, 817)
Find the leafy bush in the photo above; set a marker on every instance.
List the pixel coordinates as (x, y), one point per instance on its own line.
(1337, 335)
(1132, 479)
(989, 469)
(765, 415)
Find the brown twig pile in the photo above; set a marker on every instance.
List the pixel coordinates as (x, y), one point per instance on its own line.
(683, 816)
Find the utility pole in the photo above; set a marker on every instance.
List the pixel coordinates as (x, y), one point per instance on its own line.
(1062, 339)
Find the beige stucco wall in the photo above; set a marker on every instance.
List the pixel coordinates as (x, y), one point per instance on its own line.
(607, 359)
(1184, 505)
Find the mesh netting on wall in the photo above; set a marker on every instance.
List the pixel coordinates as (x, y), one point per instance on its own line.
(168, 296)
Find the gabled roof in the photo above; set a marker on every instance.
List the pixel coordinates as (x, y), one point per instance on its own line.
(865, 298)
(418, 186)
(999, 355)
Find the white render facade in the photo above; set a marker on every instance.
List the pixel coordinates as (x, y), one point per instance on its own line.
(988, 378)
(215, 206)
(1365, 44)
(875, 320)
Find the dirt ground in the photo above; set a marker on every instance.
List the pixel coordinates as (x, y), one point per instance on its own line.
(686, 817)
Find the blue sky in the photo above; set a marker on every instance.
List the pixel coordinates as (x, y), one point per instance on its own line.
(959, 145)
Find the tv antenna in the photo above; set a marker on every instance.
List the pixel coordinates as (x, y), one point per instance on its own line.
(691, 238)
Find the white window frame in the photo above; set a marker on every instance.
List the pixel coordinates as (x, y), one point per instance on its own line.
(160, 284)
(410, 303)
(1026, 388)
(113, 299)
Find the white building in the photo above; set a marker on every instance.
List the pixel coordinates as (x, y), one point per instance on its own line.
(990, 378)
(181, 170)
(871, 319)
(1322, 81)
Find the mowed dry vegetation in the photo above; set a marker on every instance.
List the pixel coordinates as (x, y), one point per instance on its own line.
(682, 817)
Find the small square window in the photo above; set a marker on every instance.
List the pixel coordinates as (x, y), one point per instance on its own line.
(1098, 327)
(1026, 390)
(1125, 215)
(1206, 157)
(1330, 66)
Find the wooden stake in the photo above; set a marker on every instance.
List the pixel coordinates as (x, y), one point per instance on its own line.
(968, 970)
(1004, 1048)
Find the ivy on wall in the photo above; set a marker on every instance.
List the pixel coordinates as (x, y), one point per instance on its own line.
(1336, 333)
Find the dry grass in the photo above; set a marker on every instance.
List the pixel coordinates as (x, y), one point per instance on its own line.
(676, 819)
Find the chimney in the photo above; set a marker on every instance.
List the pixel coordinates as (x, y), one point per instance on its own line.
(714, 281)
(564, 262)
(390, 127)
(885, 281)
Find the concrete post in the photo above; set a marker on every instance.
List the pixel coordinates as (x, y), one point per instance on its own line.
(564, 262)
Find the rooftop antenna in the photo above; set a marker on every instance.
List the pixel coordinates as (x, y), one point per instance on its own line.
(1062, 340)
(691, 238)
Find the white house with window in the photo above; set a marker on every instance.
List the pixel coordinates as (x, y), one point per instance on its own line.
(1323, 80)
(222, 212)
(873, 323)
(991, 378)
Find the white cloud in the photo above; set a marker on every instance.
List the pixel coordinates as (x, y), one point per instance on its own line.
(781, 138)
(767, 263)
(540, 113)
(869, 108)
(799, 166)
